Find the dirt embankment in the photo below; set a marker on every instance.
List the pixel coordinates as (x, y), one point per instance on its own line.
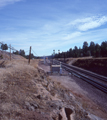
(70, 61)
(98, 66)
(6, 56)
(28, 93)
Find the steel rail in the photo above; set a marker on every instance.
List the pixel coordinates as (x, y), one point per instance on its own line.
(100, 77)
(96, 84)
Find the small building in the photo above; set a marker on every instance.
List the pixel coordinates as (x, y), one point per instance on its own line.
(56, 68)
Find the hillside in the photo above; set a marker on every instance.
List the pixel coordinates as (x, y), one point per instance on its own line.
(28, 93)
(6, 56)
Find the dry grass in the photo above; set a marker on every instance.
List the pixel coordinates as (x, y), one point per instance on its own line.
(6, 56)
(20, 85)
(17, 85)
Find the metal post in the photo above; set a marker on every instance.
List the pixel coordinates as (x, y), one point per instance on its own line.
(10, 52)
(44, 59)
(64, 57)
(52, 59)
(58, 53)
(53, 55)
(60, 69)
(29, 55)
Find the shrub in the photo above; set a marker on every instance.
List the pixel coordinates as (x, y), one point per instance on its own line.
(1, 56)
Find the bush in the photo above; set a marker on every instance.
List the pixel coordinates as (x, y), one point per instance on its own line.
(1, 56)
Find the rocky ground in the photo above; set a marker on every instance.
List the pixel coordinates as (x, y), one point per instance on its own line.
(90, 98)
(27, 92)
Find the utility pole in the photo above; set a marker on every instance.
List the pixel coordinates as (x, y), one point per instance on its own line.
(58, 51)
(10, 52)
(59, 54)
(64, 57)
(53, 55)
(29, 55)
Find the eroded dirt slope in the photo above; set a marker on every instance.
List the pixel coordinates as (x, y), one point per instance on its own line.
(27, 93)
(98, 66)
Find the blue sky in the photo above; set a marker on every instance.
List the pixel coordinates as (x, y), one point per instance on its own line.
(49, 25)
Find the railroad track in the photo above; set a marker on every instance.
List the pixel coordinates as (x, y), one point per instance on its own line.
(82, 74)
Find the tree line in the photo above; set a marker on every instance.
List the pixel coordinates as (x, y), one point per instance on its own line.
(20, 52)
(5, 47)
(91, 49)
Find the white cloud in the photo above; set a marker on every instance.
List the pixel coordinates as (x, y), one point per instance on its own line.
(6, 2)
(89, 23)
(72, 35)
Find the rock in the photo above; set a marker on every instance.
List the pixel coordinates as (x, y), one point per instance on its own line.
(55, 104)
(72, 96)
(66, 114)
(34, 105)
(42, 76)
(45, 83)
(50, 86)
(93, 117)
(3, 96)
(62, 100)
(66, 96)
(39, 97)
(29, 107)
(62, 115)
(41, 107)
(69, 112)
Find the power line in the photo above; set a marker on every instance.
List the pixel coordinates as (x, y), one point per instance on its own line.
(12, 48)
(34, 52)
(27, 51)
